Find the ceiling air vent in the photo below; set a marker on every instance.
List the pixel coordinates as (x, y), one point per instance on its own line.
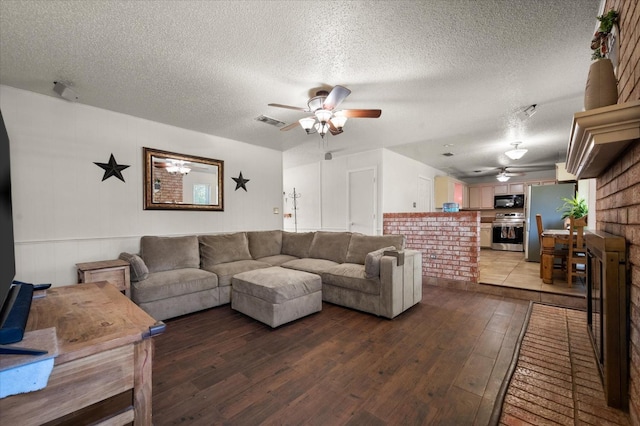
(269, 120)
(448, 154)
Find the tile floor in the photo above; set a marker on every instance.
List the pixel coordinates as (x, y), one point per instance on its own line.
(509, 269)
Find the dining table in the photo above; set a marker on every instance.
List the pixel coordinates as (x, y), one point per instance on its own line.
(550, 239)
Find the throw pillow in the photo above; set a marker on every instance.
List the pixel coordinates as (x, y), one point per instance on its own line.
(138, 269)
(372, 262)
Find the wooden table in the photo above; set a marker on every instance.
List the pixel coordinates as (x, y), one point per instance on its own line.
(551, 238)
(103, 369)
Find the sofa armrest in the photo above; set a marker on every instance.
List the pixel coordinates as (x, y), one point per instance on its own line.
(401, 285)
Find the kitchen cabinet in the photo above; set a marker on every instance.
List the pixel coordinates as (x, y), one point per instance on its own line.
(516, 188)
(481, 197)
(485, 235)
(449, 190)
(501, 189)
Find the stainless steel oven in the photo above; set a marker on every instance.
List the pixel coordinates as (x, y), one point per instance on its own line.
(507, 232)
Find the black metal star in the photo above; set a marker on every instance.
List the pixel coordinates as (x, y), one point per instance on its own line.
(112, 168)
(241, 182)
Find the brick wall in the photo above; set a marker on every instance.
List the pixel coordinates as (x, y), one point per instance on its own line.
(449, 242)
(170, 187)
(618, 188)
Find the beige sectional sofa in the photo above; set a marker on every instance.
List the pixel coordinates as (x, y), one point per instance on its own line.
(173, 276)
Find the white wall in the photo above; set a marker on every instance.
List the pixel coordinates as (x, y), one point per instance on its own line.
(400, 183)
(64, 213)
(324, 186)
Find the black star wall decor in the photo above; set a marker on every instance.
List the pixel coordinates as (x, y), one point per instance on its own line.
(112, 168)
(241, 182)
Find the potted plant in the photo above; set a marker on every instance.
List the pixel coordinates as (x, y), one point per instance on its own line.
(575, 207)
(602, 86)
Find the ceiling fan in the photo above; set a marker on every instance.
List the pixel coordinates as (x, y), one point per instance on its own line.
(325, 116)
(504, 175)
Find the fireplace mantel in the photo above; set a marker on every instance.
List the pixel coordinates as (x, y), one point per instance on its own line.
(598, 137)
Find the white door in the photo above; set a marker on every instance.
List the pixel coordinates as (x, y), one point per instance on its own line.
(362, 201)
(424, 194)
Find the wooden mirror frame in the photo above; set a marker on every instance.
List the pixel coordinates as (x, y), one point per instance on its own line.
(200, 168)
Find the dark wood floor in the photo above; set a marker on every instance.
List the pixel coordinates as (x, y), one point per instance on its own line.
(441, 362)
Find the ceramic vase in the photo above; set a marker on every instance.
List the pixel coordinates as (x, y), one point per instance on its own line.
(602, 87)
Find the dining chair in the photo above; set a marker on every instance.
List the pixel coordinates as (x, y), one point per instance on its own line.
(558, 253)
(577, 258)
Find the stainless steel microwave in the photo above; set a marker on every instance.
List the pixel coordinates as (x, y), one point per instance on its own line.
(508, 201)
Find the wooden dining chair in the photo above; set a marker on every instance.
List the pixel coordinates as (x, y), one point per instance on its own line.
(559, 253)
(577, 257)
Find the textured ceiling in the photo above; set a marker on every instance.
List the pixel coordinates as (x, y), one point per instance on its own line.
(449, 76)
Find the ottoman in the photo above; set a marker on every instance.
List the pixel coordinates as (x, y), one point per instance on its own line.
(276, 295)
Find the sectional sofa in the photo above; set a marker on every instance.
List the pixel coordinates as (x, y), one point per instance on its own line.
(173, 276)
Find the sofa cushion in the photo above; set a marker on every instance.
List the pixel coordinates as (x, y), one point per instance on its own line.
(276, 260)
(167, 253)
(138, 270)
(296, 244)
(315, 266)
(372, 262)
(360, 245)
(351, 276)
(330, 246)
(167, 284)
(223, 248)
(264, 243)
(226, 271)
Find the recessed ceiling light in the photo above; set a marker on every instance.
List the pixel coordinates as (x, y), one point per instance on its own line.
(448, 154)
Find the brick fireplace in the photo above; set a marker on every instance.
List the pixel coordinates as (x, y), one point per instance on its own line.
(618, 188)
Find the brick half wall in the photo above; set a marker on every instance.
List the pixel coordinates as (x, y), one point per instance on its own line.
(449, 242)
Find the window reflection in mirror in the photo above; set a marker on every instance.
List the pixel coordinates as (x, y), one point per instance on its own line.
(182, 182)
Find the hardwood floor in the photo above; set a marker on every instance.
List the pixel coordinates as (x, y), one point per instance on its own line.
(441, 362)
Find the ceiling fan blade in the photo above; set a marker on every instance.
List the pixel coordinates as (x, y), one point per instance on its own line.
(360, 113)
(290, 126)
(335, 97)
(334, 130)
(289, 107)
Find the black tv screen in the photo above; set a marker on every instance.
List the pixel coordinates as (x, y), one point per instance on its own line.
(7, 250)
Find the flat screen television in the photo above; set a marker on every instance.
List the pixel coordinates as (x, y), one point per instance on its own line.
(7, 256)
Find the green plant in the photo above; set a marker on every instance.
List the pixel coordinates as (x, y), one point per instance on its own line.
(575, 207)
(607, 21)
(599, 43)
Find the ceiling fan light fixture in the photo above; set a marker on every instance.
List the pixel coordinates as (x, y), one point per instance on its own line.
(323, 115)
(307, 123)
(502, 177)
(339, 121)
(322, 128)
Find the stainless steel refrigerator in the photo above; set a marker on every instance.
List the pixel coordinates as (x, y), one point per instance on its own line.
(544, 200)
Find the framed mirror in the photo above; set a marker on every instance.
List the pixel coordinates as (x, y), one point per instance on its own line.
(182, 182)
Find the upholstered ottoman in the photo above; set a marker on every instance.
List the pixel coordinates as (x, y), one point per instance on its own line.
(276, 295)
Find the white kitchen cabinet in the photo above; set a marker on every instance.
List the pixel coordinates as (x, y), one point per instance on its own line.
(501, 189)
(516, 188)
(481, 197)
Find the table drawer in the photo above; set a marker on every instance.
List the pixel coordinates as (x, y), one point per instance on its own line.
(73, 386)
(115, 276)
